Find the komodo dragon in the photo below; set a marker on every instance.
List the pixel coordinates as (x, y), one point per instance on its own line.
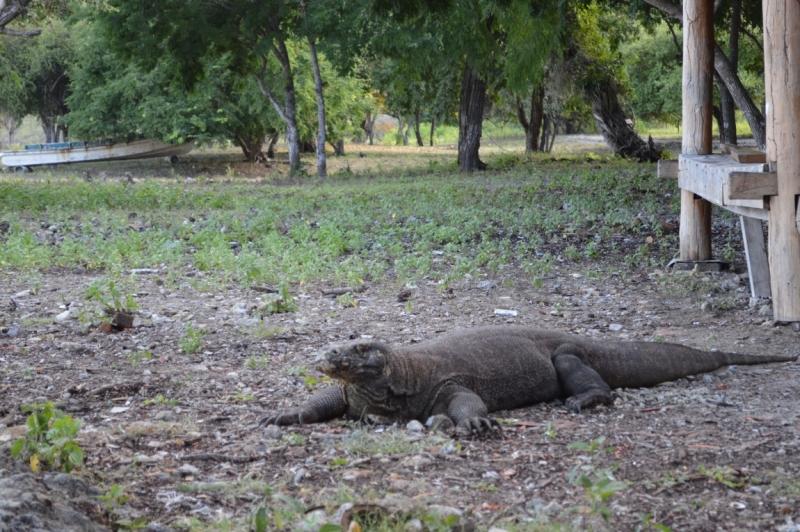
(462, 376)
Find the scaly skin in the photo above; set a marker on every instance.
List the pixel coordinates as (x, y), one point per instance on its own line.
(464, 375)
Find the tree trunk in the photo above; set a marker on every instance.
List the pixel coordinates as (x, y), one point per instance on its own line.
(273, 140)
(532, 123)
(322, 163)
(251, 148)
(287, 111)
(617, 132)
(405, 135)
(470, 120)
(417, 131)
(49, 128)
(367, 124)
(338, 147)
(727, 131)
(729, 76)
(433, 128)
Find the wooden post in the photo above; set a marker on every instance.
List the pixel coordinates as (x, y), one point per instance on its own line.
(756, 255)
(698, 77)
(782, 83)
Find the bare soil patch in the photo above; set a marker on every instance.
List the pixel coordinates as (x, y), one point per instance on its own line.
(714, 452)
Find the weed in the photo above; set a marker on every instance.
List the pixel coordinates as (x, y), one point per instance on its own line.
(295, 439)
(284, 303)
(160, 400)
(134, 357)
(114, 498)
(725, 475)
(599, 484)
(254, 362)
(549, 432)
(240, 397)
(190, 340)
(49, 439)
(346, 300)
(110, 298)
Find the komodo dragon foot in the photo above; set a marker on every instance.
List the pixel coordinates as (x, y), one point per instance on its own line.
(583, 385)
(480, 427)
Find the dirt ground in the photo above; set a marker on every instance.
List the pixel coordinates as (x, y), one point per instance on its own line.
(708, 453)
(743, 422)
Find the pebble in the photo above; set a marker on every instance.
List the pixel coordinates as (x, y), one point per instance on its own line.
(415, 426)
(165, 415)
(444, 511)
(300, 475)
(615, 327)
(187, 470)
(273, 432)
(765, 310)
(63, 316)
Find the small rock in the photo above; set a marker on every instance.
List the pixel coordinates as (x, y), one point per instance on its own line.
(495, 529)
(187, 470)
(705, 306)
(273, 432)
(765, 310)
(299, 476)
(486, 285)
(615, 327)
(490, 474)
(415, 426)
(448, 448)
(165, 415)
(444, 511)
(505, 312)
(64, 316)
(119, 409)
(415, 525)
(707, 379)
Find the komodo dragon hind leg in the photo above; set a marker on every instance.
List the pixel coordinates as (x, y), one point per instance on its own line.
(468, 411)
(583, 385)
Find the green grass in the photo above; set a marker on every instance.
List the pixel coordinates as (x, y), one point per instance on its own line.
(360, 227)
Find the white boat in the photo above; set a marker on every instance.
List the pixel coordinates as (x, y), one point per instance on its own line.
(77, 152)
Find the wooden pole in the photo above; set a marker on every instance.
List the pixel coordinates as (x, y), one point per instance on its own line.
(698, 77)
(782, 83)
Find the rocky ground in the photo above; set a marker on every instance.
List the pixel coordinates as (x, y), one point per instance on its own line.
(180, 431)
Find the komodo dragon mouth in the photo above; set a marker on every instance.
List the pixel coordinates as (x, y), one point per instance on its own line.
(353, 363)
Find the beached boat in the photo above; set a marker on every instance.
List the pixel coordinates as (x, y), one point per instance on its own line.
(78, 152)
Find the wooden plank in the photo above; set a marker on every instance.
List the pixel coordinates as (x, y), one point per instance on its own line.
(667, 169)
(756, 255)
(782, 83)
(698, 90)
(747, 155)
(752, 185)
(725, 147)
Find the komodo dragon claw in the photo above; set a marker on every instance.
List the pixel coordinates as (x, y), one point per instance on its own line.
(481, 426)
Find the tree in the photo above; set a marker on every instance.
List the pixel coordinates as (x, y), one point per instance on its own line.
(117, 100)
(15, 87)
(253, 34)
(9, 11)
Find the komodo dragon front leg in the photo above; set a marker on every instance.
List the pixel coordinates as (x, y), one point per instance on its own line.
(328, 403)
(583, 385)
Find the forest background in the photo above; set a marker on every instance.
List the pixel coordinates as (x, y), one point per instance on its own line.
(317, 73)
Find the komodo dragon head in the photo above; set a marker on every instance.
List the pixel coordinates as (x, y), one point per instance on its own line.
(354, 363)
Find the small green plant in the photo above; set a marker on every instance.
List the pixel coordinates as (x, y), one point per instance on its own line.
(240, 397)
(346, 300)
(725, 475)
(549, 432)
(284, 303)
(648, 523)
(599, 484)
(335, 463)
(572, 253)
(114, 498)
(49, 439)
(256, 362)
(134, 357)
(484, 486)
(160, 400)
(132, 524)
(110, 298)
(190, 340)
(295, 439)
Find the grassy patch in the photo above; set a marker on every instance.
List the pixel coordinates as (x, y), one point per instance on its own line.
(404, 225)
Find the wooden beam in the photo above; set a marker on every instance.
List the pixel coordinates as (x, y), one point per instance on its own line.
(752, 185)
(667, 169)
(782, 84)
(698, 78)
(756, 255)
(747, 155)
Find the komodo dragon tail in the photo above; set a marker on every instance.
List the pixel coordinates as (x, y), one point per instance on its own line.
(636, 364)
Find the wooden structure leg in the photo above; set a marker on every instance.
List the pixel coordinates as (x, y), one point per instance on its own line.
(782, 83)
(756, 254)
(698, 77)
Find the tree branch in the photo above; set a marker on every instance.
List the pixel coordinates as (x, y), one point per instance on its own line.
(752, 37)
(666, 6)
(20, 33)
(268, 93)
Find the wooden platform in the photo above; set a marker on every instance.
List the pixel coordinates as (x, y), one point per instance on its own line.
(715, 177)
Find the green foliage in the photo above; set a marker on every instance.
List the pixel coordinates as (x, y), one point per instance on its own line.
(284, 303)
(160, 400)
(114, 498)
(49, 439)
(599, 484)
(725, 475)
(110, 298)
(191, 340)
